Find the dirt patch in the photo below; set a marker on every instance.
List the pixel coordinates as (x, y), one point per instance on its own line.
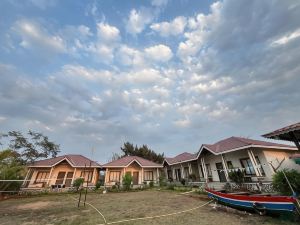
(34, 205)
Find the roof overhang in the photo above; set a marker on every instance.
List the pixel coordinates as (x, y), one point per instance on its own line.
(58, 162)
(132, 161)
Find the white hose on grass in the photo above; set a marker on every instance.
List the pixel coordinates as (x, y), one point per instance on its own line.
(158, 216)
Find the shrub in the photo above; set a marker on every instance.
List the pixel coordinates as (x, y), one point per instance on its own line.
(183, 181)
(98, 185)
(77, 183)
(151, 184)
(171, 186)
(236, 176)
(127, 180)
(280, 184)
(192, 177)
(162, 181)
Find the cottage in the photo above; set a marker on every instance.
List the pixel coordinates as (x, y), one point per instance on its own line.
(212, 163)
(61, 172)
(141, 170)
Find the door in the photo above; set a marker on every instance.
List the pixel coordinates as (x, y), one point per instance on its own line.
(60, 178)
(221, 172)
(135, 178)
(69, 179)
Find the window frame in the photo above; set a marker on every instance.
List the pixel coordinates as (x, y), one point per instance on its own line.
(243, 166)
(88, 175)
(114, 172)
(150, 172)
(42, 179)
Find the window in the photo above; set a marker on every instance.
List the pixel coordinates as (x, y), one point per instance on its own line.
(114, 176)
(247, 165)
(209, 174)
(148, 175)
(87, 175)
(229, 165)
(41, 177)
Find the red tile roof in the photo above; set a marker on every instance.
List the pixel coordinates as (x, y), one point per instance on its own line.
(181, 158)
(74, 160)
(127, 160)
(283, 133)
(239, 142)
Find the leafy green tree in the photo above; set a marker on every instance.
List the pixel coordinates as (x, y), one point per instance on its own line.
(236, 176)
(31, 147)
(11, 168)
(77, 183)
(280, 183)
(143, 151)
(127, 180)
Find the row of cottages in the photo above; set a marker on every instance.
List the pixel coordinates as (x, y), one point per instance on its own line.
(142, 171)
(212, 163)
(61, 172)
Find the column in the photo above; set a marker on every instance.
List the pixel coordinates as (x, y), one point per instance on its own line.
(182, 171)
(254, 163)
(157, 175)
(94, 176)
(225, 167)
(49, 178)
(173, 173)
(190, 168)
(166, 172)
(74, 174)
(204, 169)
(199, 170)
(106, 177)
(142, 181)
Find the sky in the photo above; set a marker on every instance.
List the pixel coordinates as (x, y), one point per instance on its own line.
(172, 74)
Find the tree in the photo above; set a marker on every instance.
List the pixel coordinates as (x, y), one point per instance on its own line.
(32, 147)
(11, 168)
(144, 151)
(281, 185)
(127, 180)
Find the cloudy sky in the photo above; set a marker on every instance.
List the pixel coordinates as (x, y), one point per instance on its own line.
(173, 74)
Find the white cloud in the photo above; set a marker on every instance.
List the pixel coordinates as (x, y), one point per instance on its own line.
(107, 32)
(286, 38)
(138, 20)
(159, 53)
(146, 76)
(34, 36)
(175, 27)
(130, 56)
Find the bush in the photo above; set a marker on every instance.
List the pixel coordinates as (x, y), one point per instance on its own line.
(98, 185)
(192, 177)
(183, 181)
(280, 184)
(171, 186)
(236, 176)
(127, 180)
(151, 184)
(77, 183)
(162, 181)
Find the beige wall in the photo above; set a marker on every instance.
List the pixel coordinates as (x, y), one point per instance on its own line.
(53, 172)
(132, 168)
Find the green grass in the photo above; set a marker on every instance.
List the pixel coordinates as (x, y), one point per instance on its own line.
(62, 210)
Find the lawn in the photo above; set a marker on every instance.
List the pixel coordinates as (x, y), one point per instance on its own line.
(62, 209)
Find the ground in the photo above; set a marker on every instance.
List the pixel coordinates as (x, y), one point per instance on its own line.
(62, 209)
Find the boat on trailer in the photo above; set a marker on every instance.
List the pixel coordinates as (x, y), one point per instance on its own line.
(262, 204)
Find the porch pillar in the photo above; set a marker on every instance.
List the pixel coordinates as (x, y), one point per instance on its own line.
(173, 173)
(74, 174)
(199, 170)
(182, 171)
(142, 181)
(254, 163)
(225, 167)
(49, 178)
(94, 176)
(190, 168)
(204, 169)
(166, 172)
(157, 175)
(25, 180)
(106, 176)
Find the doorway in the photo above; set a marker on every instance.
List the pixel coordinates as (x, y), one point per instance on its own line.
(221, 172)
(135, 178)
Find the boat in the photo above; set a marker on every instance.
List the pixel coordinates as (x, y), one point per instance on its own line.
(261, 204)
